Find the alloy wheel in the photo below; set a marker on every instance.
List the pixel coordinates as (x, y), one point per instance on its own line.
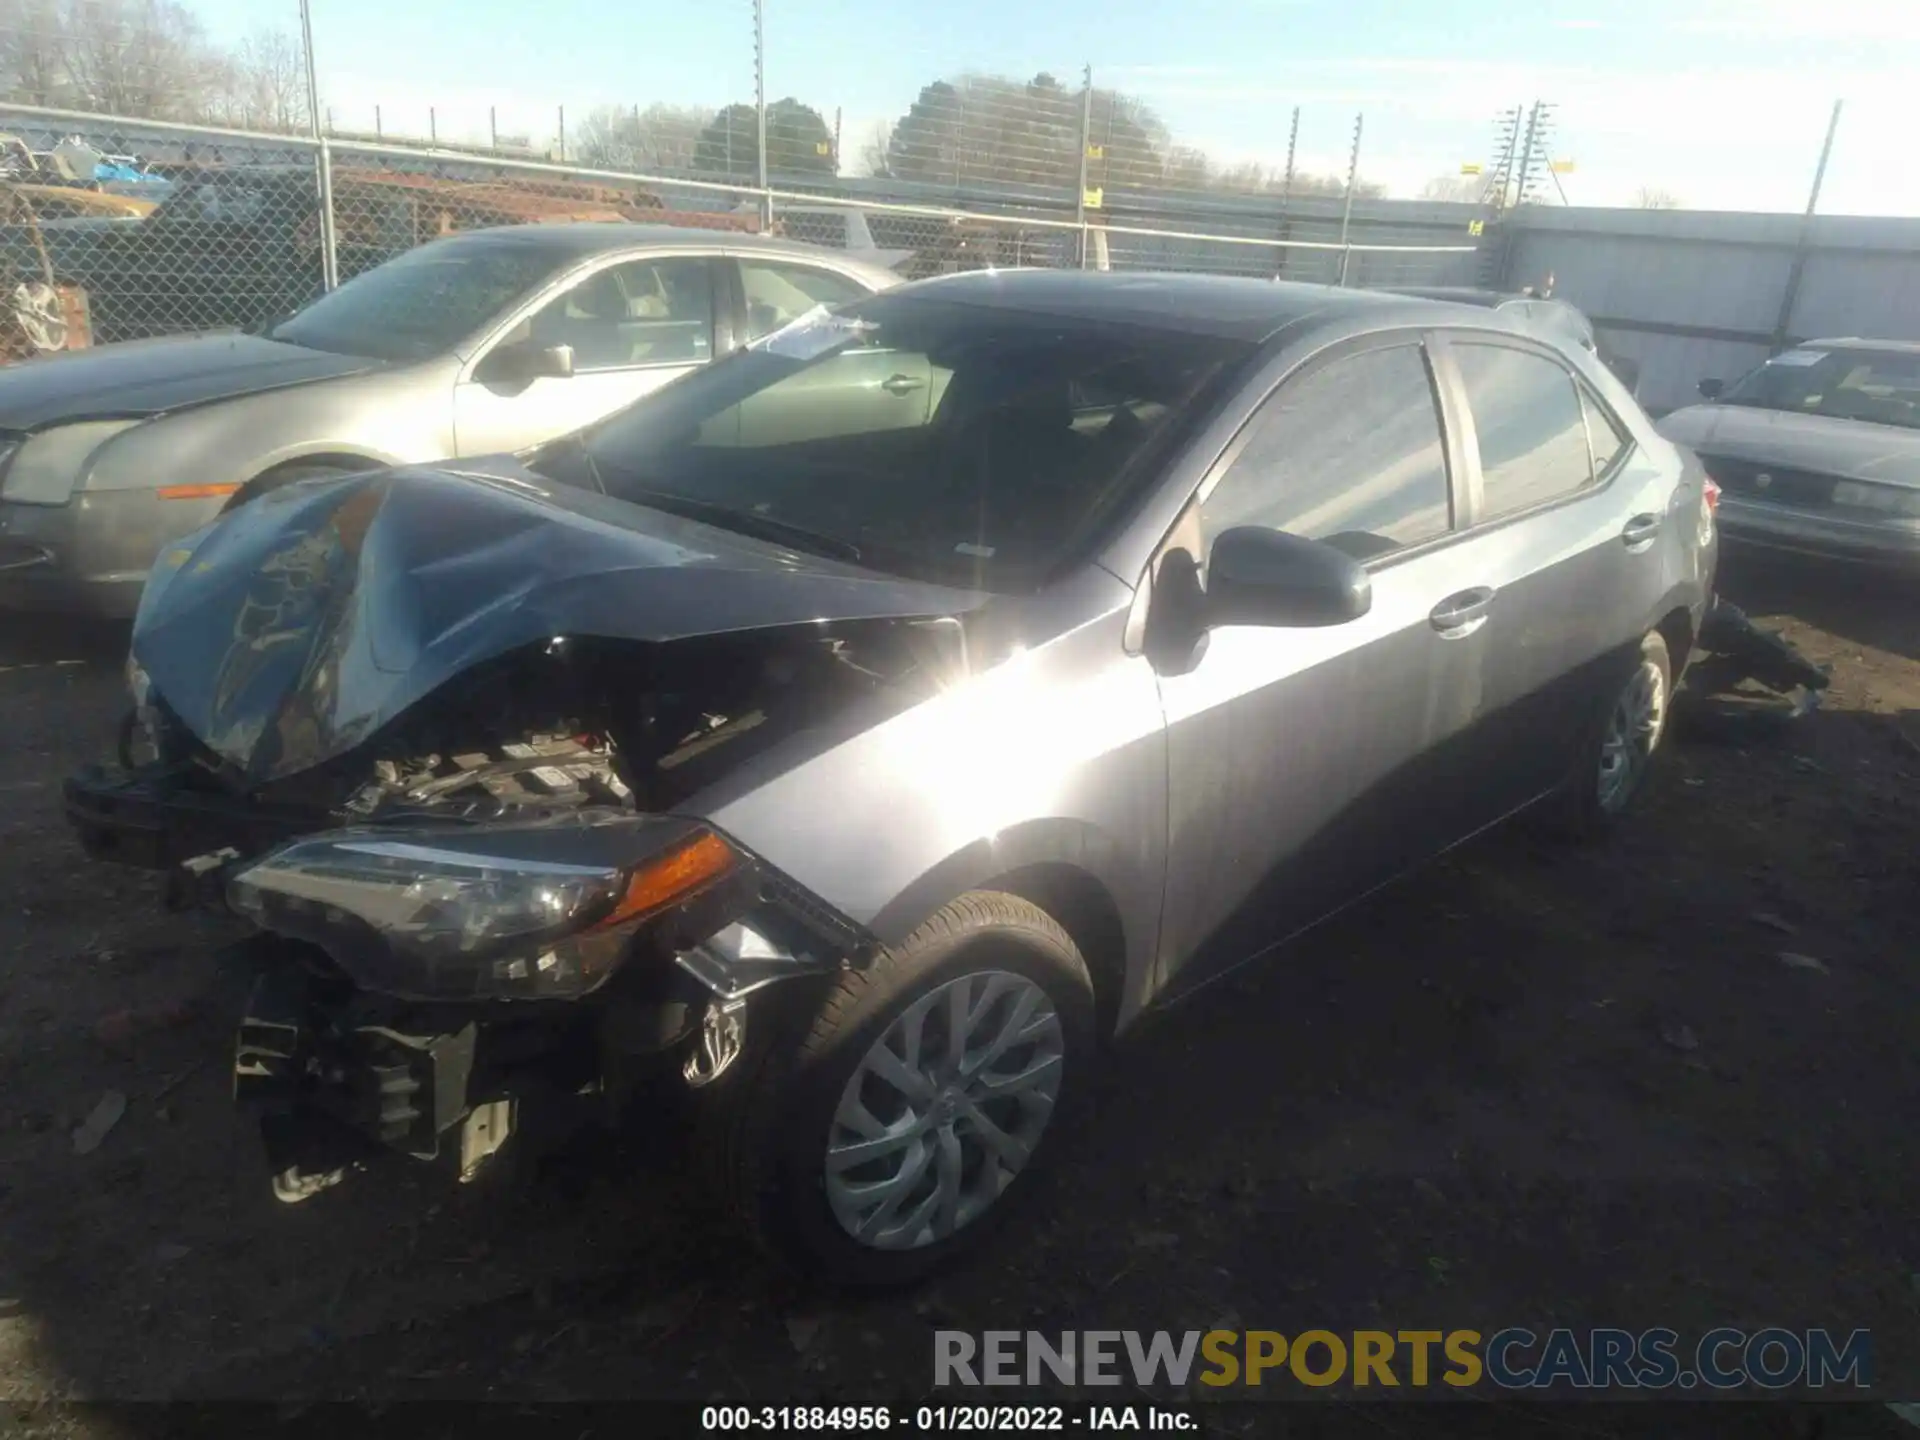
(1633, 733)
(944, 1110)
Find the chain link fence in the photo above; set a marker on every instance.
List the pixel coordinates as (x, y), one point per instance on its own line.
(202, 228)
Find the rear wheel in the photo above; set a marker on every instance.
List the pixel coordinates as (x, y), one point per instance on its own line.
(904, 1123)
(1621, 744)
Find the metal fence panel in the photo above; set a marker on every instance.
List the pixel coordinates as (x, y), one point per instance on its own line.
(236, 239)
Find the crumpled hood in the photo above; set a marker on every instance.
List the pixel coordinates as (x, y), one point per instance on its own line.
(149, 377)
(286, 633)
(1845, 449)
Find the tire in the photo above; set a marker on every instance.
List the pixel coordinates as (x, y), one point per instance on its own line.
(1620, 745)
(274, 479)
(766, 1142)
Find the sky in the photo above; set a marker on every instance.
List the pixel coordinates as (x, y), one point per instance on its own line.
(1721, 103)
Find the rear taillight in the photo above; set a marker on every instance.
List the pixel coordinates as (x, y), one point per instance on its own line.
(1710, 494)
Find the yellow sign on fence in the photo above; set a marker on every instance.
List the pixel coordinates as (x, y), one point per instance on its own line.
(1092, 198)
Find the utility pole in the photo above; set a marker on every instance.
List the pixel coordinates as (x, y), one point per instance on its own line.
(1286, 195)
(493, 128)
(378, 133)
(1346, 210)
(1506, 154)
(1805, 242)
(1086, 143)
(760, 111)
(323, 161)
(563, 134)
(1539, 128)
(836, 139)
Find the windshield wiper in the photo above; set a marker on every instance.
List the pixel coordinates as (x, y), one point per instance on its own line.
(746, 522)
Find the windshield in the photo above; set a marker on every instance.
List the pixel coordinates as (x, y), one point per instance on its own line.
(421, 304)
(1880, 386)
(953, 443)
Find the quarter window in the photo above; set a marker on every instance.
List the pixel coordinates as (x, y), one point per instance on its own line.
(1605, 437)
(1350, 454)
(1531, 427)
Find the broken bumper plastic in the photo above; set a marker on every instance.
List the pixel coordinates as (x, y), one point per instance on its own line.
(148, 818)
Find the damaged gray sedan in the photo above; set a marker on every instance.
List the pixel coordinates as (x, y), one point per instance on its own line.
(857, 732)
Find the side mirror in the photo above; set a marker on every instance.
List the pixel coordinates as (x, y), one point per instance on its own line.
(1712, 389)
(523, 362)
(1257, 576)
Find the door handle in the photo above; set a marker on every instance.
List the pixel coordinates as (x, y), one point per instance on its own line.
(1461, 614)
(902, 384)
(1640, 531)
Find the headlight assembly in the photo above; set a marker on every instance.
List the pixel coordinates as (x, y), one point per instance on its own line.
(534, 911)
(47, 466)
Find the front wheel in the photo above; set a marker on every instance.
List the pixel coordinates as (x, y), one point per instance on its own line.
(904, 1123)
(275, 479)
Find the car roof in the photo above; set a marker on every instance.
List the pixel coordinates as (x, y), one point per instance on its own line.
(1854, 342)
(1459, 294)
(1226, 306)
(593, 237)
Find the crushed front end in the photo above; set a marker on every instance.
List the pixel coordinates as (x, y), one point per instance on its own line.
(487, 910)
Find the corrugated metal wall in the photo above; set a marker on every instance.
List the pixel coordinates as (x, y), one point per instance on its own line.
(1698, 294)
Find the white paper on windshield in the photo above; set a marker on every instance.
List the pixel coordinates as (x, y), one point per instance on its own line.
(1799, 357)
(813, 333)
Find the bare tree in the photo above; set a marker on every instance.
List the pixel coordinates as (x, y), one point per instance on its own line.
(33, 67)
(660, 137)
(137, 57)
(1459, 189)
(1653, 198)
(272, 74)
(873, 150)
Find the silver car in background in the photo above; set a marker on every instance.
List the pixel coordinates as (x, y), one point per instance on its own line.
(1817, 451)
(862, 728)
(482, 342)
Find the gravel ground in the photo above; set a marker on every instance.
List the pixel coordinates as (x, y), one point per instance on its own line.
(1529, 1086)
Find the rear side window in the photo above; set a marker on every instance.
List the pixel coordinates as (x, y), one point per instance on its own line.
(1350, 454)
(1531, 425)
(779, 294)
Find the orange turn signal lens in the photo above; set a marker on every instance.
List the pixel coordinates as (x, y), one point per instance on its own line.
(675, 876)
(196, 492)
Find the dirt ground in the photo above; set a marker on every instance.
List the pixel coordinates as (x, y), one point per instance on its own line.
(1530, 1086)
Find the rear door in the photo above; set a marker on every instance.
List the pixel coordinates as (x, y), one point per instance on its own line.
(1562, 517)
(633, 326)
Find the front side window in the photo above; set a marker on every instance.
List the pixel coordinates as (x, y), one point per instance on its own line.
(1350, 454)
(1531, 426)
(422, 303)
(961, 444)
(1879, 386)
(780, 294)
(641, 312)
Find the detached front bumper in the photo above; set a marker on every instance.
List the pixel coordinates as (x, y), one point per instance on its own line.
(151, 818)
